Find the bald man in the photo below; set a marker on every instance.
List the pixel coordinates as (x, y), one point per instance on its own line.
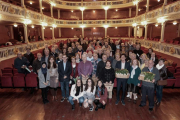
(37, 63)
(21, 63)
(148, 87)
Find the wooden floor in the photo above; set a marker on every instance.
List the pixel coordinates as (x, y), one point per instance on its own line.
(16, 104)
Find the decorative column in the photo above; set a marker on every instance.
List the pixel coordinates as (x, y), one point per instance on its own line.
(11, 32)
(83, 32)
(82, 16)
(178, 31)
(162, 31)
(135, 32)
(59, 32)
(130, 12)
(105, 32)
(22, 3)
(145, 35)
(40, 6)
(137, 9)
(25, 33)
(165, 2)
(51, 10)
(52, 32)
(129, 31)
(147, 8)
(42, 33)
(151, 32)
(106, 16)
(58, 13)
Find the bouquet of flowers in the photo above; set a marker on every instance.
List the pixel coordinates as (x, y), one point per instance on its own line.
(122, 73)
(147, 76)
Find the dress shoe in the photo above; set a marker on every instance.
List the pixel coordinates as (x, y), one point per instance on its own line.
(104, 106)
(150, 109)
(140, 105)
(96, 109)
(73, 107)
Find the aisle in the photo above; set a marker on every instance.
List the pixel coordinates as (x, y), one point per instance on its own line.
(21, 105)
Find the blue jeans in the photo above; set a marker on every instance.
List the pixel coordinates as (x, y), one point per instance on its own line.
(65, 85)
(159, 90)
(81, 100)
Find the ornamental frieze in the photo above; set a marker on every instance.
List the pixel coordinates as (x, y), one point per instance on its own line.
(11, 10)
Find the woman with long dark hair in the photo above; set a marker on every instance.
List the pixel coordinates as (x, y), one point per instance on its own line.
(53, 72)
(44, 78)
(89, 94)
(77, 93)
(101, 95)
(74, 72)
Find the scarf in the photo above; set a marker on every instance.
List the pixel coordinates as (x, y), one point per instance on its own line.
(99, 89)
(44, 70)
(133, 71)
(159, 67)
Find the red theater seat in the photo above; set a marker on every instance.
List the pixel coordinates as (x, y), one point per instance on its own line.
(19, 74)
(171, 69)
(177, 74)
(7, 74)
(15, 71)
(31, 80)
(6, 81)
(170, 82)
(8, 68)
(18, 81)
(177, 82)
(6, 71)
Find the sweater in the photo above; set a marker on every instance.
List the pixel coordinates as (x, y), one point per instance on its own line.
(107, 75)
(135, 79)
(85, 68)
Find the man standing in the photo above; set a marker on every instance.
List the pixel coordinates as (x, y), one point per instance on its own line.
(95, 62)
(121, 81)
(148, 87)
(85, 67)
(37, 63)
(64, 70)
(101, 65)
(21, 63)
(29, 55)
(138, 51)
(46, 56)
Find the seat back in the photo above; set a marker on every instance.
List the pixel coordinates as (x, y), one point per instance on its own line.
(6, 81)
(18, 81)
(6, 71)
(177, 82)
(31, 80)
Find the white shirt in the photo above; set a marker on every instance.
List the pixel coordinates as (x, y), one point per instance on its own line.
(73, 92)
(89, 90)
(122, 65)
(89, 59)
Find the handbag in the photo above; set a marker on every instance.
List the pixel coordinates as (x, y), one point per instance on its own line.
(162, 82)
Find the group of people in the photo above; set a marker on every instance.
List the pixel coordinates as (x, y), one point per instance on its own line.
(75, 62)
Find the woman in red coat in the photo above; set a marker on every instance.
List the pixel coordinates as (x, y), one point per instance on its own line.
(74, 72)
(101, 95)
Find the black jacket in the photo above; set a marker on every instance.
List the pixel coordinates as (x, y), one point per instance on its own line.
(63, 73)
(30, 58)
(100, 66)
(138, 53)
(19, 62)
(163, 73)
(127, 66)
(36, 65)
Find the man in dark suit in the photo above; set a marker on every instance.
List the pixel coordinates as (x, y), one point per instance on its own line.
(148, 87)
(154, 59)
(120, 81)
(64, 70)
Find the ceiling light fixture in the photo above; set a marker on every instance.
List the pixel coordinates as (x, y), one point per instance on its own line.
(51, 28)
(174, 23)
(105, 26)
(158, 0)
(53, 4)
(82, 26)
(43, 27)
(31, 3)
(94, 11)
(116, 10)
(44, 24)
(106, 7)
(42, 8)
(135, 2)
(54, 25)
(72, 11)
(72, 28)
(82, 8)
(156, 25)
(161, 20)
(32, 26)
(15, 25)
(134, 24)
(27, 21)
(139, 9)
(144, 22)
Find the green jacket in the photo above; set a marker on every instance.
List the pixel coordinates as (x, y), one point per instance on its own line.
(135, 79)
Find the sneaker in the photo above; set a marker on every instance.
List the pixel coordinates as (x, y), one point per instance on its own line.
(117, 101)
(91, 108)
(123, 103)
(67, 99)
(62, 100)
(127, 95)
(73, 107)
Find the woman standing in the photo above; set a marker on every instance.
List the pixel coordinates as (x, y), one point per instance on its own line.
(133, 81)
(89, 94)
(77, 93)
(44, 78)
(163, 76)
(143, 57)
(107, 75)
(53, 71)
(101, 96)
(74, 73)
